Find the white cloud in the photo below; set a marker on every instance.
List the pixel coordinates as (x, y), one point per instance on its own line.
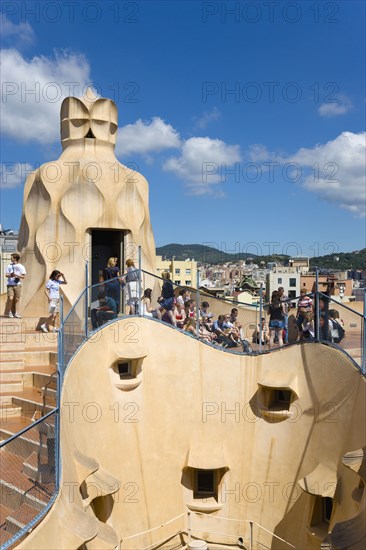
(201, 163)
(21, 33)
(14, 174)
(336, 170)
(32, 92)
(340, 107)
(146, 137)
(207, 117)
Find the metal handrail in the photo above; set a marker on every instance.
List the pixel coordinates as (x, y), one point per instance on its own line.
(27, 428)
(223, 300)
(207, 516)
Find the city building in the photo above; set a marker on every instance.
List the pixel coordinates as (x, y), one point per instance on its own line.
(339, 288)
(286, 277)
(182, 272)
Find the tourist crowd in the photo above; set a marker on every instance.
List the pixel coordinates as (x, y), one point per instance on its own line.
(177, 308)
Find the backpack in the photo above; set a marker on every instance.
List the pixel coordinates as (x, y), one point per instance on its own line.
(337, 331)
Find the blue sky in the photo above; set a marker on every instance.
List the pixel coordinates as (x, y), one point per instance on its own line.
(246, 118)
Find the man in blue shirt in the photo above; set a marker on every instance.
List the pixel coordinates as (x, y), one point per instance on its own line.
(106, 311)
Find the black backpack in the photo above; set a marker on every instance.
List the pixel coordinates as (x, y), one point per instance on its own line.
(338, 328)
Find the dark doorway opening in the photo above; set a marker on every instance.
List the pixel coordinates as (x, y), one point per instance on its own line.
(105, 243)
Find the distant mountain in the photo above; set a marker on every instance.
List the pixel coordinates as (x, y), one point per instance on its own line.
(341, 260)
(209, 255)
(200, 252)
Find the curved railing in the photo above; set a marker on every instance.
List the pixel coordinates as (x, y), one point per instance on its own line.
(77, 329)
(43, 435)
(188, 526)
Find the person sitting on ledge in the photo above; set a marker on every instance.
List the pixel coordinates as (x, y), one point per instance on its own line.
(204, 311)
(190, 307)
(147, 310)
(183, 296)
(265, 335)
(106, 311)
(179, 315)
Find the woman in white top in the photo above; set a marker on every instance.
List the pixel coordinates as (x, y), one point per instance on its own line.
(52, 292)
(131, 279)
(147, 311)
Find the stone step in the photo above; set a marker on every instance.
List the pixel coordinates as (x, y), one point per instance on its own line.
(20, 518)
(11, 365)
(4, 537)
(9, 376)
(12, 346)
(14, 350)
(13, 387)
(33, 440)
(9, 412)
(35, 403)
(27, 337)
(45, 381)
(40, 339)
(17, 347)
(16, 381)
(13, 425)
(22, 490)
(31, 403)
(4, 513)
(37, 356)
(40, 468)
(29, 323)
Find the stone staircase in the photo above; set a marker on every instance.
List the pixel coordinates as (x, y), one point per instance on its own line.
(28, 386)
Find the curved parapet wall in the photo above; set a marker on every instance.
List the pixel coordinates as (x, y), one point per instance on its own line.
(146, 410)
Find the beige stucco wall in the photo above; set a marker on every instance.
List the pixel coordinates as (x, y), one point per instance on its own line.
(195, 405)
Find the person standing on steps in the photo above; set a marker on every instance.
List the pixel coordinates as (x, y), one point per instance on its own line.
(131, 279)
(15, 273)
(52, 292)
(112, 281)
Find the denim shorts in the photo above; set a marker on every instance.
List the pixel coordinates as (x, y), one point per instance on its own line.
(276, 323)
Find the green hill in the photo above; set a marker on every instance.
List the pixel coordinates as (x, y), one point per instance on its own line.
(341, 260)
(209, 255)
(201, 253)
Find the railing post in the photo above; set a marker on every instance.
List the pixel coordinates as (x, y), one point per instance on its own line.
(60, 341)
(317, 306)
(198, 303)
(139, 305)
(60, 365)
(260, 317)
(251, 535)
(86, 312)
(363, 347)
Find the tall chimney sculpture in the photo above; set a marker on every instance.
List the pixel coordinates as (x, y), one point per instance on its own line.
(87, 189)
